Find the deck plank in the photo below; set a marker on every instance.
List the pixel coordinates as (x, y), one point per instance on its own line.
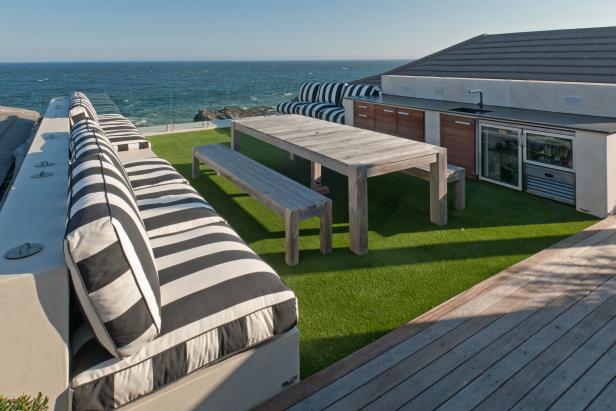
(543, 320)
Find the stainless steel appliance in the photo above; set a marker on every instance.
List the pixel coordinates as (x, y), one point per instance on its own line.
(537, 162)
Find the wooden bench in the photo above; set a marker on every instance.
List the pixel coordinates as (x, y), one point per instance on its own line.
(454, 174)
(286, 197)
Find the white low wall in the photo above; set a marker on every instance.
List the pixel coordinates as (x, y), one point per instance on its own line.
(561, 97)
(34, 291)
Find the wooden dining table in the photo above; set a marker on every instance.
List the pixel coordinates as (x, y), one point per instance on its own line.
(355, 153)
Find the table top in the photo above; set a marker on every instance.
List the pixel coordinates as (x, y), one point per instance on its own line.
(337, 146)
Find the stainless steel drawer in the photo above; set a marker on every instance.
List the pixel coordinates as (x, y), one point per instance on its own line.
(550, 183)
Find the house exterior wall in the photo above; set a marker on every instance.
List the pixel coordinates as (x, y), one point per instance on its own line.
(561, 97)
(34, 291)
(590, 157)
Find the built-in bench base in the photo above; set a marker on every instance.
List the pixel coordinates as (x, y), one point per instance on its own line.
(454, 174)
(293, 201)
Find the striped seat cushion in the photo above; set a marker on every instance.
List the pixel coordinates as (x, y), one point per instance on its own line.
(110, 258)
(218, 298)
(314, 109)
(331, 93)
(291, 107)
(171, 208)
(309, 92)
(359, 90)
(80, 107)
(123, 134)
(150, 172)
(335, 114)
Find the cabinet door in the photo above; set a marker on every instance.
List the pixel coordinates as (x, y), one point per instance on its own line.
(385, 119)
(458, 137)
(411, 124)
(363, 115)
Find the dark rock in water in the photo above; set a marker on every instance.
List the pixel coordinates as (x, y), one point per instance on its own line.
(232, 112)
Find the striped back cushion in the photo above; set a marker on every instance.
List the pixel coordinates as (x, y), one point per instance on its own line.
(331, 93)
(85, 141)
(309, 92)
(110, 258)
(80, 107)
(359, 90)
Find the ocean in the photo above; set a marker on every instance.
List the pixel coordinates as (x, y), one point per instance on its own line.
(154, 93)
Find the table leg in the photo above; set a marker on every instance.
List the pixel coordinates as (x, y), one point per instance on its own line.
(461, 192)
(438, 189)
(235, 138)
(358, 210)
(315, 175)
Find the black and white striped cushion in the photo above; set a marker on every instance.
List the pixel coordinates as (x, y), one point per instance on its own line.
(86, 142)
(291, 107)
(331, 93)
(360, 90)
(309, 92)
(314, 109)
(110, 259)
(218, 298)
(150, 172)
(80, 107)
(122, 133)
(171, 208)
(333, 114)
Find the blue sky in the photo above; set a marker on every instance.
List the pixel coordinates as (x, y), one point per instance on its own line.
(82, 30)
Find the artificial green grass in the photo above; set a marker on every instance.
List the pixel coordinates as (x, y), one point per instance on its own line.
(346, 301)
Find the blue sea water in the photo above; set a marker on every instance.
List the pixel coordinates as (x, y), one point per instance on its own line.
(153, 93)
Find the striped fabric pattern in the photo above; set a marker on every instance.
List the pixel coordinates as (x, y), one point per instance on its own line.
(150, 172)
(333, 114)
(359, 90)
(85, 141)
(80, 107)
(171, 208)
(314, 109)
(122, 133)
(291, 107)
(218, 298)
(309, 92)
(110, 258)
(331, 93)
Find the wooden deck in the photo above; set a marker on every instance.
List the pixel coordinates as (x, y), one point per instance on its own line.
(539, 335)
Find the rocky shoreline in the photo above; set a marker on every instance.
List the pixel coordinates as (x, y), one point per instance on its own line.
(232, 112)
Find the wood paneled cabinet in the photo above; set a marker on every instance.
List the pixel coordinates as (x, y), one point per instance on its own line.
(458, 137)
(402, 122)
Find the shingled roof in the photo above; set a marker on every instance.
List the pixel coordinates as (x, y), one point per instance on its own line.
(575, 55)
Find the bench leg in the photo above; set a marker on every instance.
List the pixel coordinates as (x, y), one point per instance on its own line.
(461, 192)
(195, 168)
(291, 222)
(326, 229)
(235, 137)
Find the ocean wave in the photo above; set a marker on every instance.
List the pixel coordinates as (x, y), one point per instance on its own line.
(288, 94)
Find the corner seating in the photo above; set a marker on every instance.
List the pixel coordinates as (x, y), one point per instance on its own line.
(324, 100)
(165, 285)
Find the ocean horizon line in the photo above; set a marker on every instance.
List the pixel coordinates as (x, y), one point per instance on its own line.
(208, 61)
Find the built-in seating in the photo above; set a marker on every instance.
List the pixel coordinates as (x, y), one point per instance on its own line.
(122, 134)
(166, 286)
(324, 100)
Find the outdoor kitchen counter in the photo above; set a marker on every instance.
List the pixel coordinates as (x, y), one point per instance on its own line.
(605, 125)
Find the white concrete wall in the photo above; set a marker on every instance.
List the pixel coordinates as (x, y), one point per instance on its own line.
(574, 98)
(611, 172)
(590, 160)
(432, 127)
(34, 291)
(348, 111)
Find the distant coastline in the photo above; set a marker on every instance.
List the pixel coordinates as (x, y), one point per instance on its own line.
(154, 93)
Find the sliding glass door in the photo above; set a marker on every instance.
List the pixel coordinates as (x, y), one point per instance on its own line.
(501, 155)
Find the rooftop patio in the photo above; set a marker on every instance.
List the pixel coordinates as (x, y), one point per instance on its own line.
(348, 301)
